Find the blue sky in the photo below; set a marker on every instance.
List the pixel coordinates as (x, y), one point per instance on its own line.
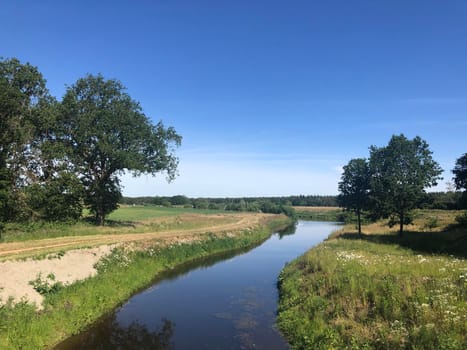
(271, 97)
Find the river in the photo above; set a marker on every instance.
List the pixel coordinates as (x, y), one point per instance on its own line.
(224, 302)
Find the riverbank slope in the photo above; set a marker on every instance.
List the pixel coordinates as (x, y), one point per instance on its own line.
(380, 291)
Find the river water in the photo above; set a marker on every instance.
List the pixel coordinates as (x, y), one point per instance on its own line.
(224, 302)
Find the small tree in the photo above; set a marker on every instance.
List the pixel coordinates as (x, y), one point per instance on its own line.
(354, 188)
(400, 172)
(460, 173)
(460, 178)
(106, 133)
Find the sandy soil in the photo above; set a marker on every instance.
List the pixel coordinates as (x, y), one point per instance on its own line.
(74, 265)
(77, 264)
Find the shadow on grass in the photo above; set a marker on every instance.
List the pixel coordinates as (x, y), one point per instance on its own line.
(452, 241)
(111, 223)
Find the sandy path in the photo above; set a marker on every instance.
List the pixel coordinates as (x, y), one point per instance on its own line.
(30, 248)
(77, 264)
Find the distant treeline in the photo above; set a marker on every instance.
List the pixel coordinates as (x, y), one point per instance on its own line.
(254, 204)
(444, 200)
(432, 200)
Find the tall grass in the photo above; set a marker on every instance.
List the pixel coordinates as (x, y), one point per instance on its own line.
(72, 308)
(380, 292)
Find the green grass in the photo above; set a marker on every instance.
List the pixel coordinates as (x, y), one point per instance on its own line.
(335, 216)
(379, 292)
(69, 310)
(140, 213)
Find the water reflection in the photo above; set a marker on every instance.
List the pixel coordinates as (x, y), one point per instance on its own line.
(227, 301)
(112, 335)
(286, 232)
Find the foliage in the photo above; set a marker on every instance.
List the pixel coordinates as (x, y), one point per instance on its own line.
(400, 172)
(432, 223)
(200, 203)
(442, 200)
(462, 219)
(237, 204)
(179, 200)
(95, 134)
(119, 257)
(57, 200)
(23, 102)
(354, 187)
(106, 133)
(460, 172)
(46, 286)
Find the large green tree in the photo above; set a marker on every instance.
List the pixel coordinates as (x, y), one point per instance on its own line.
(400, 173)
(24, 101)
(106, 133)
(354, 188)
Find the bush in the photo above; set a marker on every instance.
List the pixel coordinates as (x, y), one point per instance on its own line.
(46, 286)
(431, 223)
(462, 219)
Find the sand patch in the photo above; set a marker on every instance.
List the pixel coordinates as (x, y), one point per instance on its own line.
(74, 265)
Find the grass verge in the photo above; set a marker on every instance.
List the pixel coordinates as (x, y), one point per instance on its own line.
(379, 292)
(69, 310)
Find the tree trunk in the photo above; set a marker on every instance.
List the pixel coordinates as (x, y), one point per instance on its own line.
(100, 216)
(359, 223)
(401, 224)
(101, 220)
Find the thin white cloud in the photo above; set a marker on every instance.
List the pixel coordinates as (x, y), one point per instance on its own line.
(220, 178)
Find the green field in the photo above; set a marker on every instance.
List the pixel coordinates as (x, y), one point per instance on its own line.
(126, 219)
(140, 213)
(379, 292)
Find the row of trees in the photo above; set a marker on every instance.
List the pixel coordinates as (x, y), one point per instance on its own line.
(241, 203)
(264, 205)
(56, 156)
(392, 181)
(450, 200)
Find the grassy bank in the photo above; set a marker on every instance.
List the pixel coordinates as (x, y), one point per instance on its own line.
(320, 213)
(68, 310)
(380, 292)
